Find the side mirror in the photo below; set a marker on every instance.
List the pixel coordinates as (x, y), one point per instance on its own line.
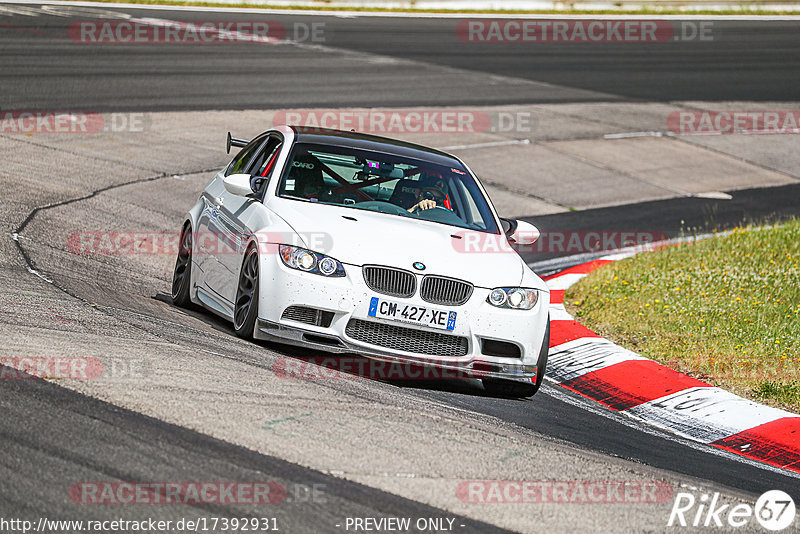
(520, 232)
(238, 184)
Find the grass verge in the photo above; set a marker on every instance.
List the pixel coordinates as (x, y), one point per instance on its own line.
(725, 310)
(325, 6)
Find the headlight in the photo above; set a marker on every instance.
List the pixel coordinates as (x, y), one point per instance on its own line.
(518, 298)
(498, 297)
(328, 266)
(310, 262)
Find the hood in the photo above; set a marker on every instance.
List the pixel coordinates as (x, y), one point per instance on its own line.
(360, 237)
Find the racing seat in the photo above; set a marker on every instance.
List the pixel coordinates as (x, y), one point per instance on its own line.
(307, 175)
(405, 193)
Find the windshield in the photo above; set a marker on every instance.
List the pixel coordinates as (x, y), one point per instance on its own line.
(386, 183)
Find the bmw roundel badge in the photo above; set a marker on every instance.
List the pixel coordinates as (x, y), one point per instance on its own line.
(418, 265)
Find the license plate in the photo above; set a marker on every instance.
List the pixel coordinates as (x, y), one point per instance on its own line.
(412, 313)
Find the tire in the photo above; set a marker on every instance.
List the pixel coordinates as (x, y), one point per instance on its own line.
(541, 363)
(245, 310)
(182, 275)
(498, 387)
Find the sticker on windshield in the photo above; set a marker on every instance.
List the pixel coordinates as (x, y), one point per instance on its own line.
(290, 184)
(457, 171)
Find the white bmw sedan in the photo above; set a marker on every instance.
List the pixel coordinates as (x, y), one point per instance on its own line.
(351, 243)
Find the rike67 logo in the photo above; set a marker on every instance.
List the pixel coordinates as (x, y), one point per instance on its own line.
(774, 510)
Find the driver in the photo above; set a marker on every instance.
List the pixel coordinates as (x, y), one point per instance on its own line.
(431, 192)
(428, 198)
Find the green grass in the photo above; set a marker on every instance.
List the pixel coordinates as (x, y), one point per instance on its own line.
(322, 5)
(780, 393)
(725, 310)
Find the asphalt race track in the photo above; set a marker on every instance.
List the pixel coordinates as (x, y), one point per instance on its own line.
(432, 434)
(746, 61)
(183, 453)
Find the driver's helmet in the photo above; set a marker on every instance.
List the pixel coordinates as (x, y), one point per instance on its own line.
(432, 186)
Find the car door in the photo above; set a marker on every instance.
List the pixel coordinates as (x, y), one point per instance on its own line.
(234, 211)
(216, 234)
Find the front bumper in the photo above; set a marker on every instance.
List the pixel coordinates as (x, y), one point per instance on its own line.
(294, 335)
(347, 298)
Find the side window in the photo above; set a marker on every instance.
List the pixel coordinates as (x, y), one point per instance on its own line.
(263, 165)
(239, 163)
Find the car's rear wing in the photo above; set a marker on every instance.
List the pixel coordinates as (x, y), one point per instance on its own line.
(233, 141)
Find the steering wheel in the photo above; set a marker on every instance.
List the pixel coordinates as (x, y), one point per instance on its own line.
(433, 193)
(417, 209)
(382, 206)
